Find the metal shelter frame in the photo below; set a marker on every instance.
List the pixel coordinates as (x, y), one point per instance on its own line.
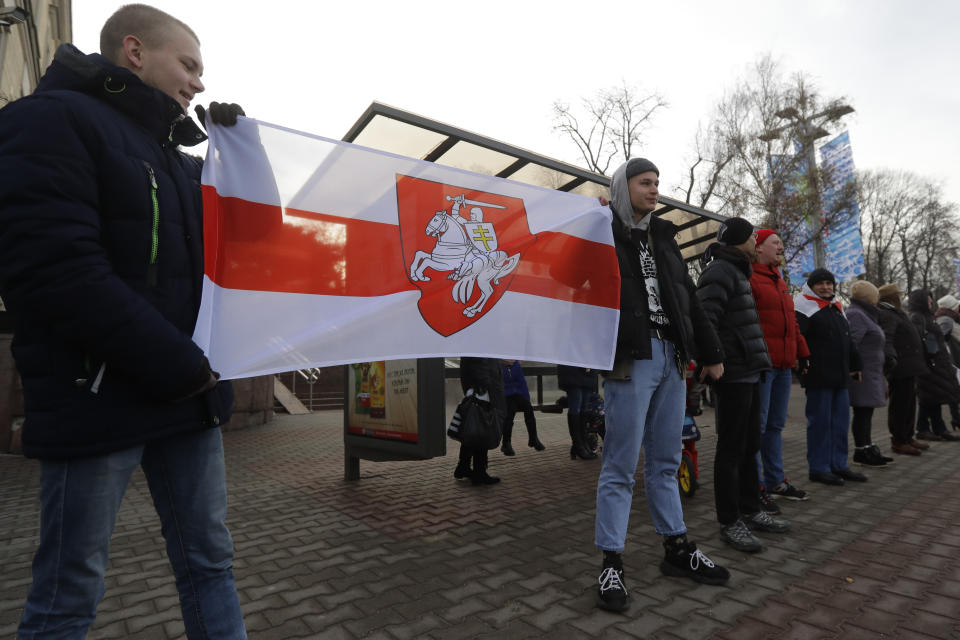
(393, 130)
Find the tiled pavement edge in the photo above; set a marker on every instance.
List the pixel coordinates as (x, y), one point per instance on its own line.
(407, 552)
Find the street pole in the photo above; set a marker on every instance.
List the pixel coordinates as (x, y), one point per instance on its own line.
(816, 225)
(809, 129)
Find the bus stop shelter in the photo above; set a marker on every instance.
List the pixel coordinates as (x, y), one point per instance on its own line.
(396, 131)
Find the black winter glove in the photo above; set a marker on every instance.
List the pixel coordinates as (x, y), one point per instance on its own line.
(803, 365)
(220, 113)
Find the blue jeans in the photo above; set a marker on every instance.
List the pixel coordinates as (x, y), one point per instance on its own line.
(828, 423)
(645, 411)
(79, 503)
(774, 398)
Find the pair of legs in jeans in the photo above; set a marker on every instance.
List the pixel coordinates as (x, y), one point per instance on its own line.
(774, 399)
(828, 424)
(79, 503)
(643, 412)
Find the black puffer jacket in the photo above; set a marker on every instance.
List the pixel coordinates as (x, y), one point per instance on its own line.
(727, 298)
(938, 384)
(101, 238)
(900, 332)
(693, 334)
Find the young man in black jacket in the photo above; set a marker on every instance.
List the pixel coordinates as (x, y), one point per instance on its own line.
(727, 298)
(101, 237)
(661, 328)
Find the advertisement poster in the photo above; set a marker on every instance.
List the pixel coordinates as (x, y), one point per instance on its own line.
(382, 400)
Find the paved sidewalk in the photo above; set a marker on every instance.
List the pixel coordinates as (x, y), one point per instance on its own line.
(408, 552)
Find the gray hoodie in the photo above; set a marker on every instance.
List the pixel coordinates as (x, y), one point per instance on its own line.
(620, 200)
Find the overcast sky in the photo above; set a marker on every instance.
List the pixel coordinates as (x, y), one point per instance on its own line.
(496, 67)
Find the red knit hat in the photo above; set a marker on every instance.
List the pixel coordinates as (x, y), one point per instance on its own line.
(763, 234)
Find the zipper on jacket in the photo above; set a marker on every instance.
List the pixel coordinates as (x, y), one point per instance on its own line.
(155, 227)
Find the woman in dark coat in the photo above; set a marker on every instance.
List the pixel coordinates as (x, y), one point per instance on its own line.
(902, 373)
(579, 383)
(938, 386)
(834, 361)
(871, 391)
(481, 375)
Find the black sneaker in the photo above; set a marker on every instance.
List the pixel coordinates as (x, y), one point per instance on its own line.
(763, 521)
(886, 459)
(611, 592)
(767, 503)
(682, 559)
(867, 457)
(790, 492)
(738, 536)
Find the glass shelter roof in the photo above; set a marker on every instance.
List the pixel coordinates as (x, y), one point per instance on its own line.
(396, 131)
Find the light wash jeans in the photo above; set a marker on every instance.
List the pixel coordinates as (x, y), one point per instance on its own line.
(79, 503)
(645, 411)
(774, 398)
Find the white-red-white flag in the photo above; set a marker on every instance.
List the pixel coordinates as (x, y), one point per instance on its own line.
(320, 252)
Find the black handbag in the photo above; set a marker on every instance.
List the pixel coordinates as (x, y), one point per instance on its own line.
(475, 425)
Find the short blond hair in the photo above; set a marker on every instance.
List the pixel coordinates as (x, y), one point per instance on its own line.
(149, 24)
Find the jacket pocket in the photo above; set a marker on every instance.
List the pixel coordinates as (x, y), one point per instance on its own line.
(154, 225)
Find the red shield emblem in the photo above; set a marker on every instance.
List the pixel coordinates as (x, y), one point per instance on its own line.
(461, 248)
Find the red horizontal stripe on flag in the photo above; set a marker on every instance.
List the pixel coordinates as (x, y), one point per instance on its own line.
(569, 268)
(253, 246)
(261, 249)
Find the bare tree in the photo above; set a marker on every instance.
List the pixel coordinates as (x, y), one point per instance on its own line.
(910, 233)
(608, 125)
(747, 162)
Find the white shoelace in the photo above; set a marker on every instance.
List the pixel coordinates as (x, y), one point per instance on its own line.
(610, 579)
(697, 557)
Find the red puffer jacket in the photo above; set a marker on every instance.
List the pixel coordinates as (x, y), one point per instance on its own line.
(779, 322)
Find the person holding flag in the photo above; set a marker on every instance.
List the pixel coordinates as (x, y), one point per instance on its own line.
(101, 236)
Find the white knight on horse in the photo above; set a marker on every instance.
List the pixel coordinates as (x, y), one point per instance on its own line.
(468, 248)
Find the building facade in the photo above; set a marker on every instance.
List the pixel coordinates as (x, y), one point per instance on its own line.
(30, 32)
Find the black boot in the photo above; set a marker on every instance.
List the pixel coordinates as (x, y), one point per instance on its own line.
(463, 466)
(576, 428)
(507, 448)
(479, 475)
(532, 440)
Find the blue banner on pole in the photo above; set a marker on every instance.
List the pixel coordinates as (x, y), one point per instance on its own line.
(842, 243)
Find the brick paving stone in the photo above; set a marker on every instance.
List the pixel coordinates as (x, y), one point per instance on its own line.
(361, 627)
(465, 609)
(694, 625)
(932, 624)
(506, 612)
(799, 630)
(642, 624)
(552, 616)
(828, 617)
(414, 629)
